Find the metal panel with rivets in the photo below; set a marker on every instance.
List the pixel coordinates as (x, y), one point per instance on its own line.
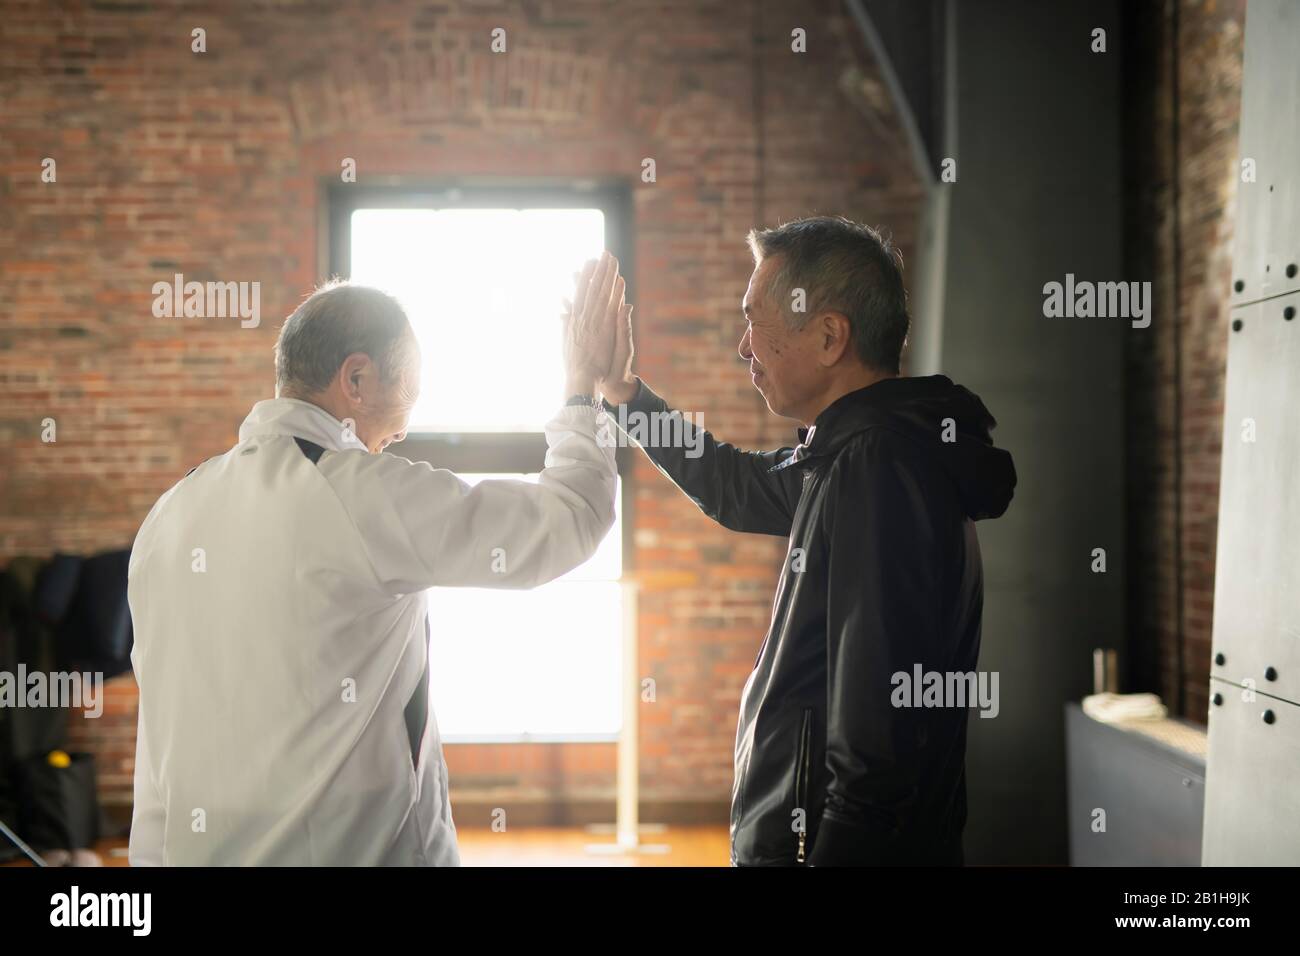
(1266, 253)
(1253, 764)
(1257, 565)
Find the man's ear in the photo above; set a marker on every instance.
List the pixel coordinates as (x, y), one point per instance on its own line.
(350, 374)
(834, 337)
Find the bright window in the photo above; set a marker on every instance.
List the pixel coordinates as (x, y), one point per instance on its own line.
(541, 664)
(482, 285)
(484, 288)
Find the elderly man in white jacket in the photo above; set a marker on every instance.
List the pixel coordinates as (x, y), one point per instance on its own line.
(278, 596)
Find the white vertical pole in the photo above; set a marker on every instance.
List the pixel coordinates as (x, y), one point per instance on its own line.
(628, 785)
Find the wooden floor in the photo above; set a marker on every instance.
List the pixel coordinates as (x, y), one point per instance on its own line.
(543, 846)
(684, 846)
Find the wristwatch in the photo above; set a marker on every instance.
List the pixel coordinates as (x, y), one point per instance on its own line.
(590, 401)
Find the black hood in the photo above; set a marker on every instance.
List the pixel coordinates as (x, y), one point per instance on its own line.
(928, 409)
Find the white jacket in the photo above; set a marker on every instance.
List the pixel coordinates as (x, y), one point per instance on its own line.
(280, 635)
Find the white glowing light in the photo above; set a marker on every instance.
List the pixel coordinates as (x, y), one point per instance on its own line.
(482, 288)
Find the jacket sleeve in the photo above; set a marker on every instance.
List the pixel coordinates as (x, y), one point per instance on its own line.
(881, 616)
(735, 488)
(148, 816)
(424, 527)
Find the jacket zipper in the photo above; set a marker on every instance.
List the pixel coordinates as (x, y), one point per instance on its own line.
(801, 771)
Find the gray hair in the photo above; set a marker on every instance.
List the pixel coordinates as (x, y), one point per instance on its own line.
(335, 321)
(843, 266)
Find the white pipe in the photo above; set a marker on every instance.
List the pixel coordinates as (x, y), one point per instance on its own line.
(628, 785)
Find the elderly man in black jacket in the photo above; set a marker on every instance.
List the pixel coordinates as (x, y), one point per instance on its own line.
(839, 761)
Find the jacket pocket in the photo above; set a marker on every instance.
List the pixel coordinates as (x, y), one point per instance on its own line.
(802, 771)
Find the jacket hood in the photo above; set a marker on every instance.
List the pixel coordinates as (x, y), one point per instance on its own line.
(948, 421)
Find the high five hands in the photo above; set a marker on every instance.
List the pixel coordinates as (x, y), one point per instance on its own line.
(598, 333)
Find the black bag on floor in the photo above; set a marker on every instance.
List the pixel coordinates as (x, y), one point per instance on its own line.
(58, 808)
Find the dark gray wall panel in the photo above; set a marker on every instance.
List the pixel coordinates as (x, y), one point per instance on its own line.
(1038, 195)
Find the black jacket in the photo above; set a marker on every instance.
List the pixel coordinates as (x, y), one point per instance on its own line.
(882, 574)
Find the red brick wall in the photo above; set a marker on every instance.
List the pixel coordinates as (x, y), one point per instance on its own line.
(1176, 367)
(211, 165)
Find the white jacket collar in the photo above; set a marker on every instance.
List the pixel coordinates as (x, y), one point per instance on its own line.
(291, 416)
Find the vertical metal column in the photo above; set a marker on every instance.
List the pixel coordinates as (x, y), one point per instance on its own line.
(1253, 768)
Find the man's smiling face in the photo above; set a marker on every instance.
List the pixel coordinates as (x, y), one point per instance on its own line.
(782, 362)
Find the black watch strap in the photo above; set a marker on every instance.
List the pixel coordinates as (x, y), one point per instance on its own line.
(590, 401)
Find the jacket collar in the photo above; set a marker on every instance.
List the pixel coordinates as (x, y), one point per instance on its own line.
(852, 413)
(291, 416)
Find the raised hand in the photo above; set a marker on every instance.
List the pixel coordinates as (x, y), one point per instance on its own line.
(591, 324)
(618, 384)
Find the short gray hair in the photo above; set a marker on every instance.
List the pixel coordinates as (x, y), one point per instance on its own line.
(844, 266)
(335, 321)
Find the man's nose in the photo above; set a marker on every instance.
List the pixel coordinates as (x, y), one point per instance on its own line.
(401, 436)
(745, 353)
